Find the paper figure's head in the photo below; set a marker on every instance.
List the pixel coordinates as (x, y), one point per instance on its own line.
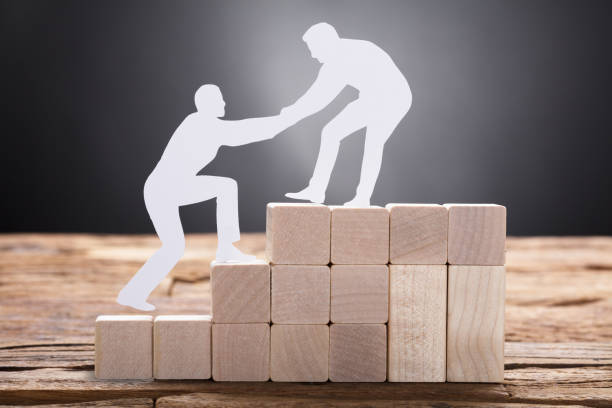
(321, 39)
(209, 101)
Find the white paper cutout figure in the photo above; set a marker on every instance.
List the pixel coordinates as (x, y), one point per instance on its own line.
(384, 99)
(174, 182)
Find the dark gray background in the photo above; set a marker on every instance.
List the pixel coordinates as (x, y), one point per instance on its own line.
(511, 105)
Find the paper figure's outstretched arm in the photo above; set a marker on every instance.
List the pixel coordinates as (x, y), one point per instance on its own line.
(245, 131)
(320, 94)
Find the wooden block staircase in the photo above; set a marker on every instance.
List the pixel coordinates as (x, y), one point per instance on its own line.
(405, 293)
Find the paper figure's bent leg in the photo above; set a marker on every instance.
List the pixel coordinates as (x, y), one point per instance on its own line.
(225, 189)
(350, 120)
(167, 223)
(377, 134)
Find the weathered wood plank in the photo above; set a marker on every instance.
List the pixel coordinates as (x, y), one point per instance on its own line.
(53, 286)
(585, 386)
(557, 354)
(117, 403)
(28, 357)
(203, 400)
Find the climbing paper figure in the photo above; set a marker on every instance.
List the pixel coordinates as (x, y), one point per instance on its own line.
(175, 182)
(384, 99)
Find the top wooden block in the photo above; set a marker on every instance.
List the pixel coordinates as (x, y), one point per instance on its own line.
(476, 234)
(298, 234)
(418, 234)
(359, 236)
(240, 292)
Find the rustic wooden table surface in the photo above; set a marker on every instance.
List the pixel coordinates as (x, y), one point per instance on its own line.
(558, 328)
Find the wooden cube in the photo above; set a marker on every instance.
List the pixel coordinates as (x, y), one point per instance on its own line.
(297, 234)
(124, 347)
(358, 352)
(299, 353)
(418, 234)
(182, 347)
(359, 236)
(417, 323)
(241, 352)
(476, 234)
(240, 292)
(300, 294)
(476, 297)
(359, 293)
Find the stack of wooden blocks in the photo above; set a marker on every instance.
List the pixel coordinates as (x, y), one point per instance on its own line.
(406, 293)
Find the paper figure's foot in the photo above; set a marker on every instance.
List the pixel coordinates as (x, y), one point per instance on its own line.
(126, 300)
(308, 194)
(232, 254)
(358, 202)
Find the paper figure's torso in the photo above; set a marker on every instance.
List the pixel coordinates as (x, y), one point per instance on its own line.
(193, 145)
(370, 70)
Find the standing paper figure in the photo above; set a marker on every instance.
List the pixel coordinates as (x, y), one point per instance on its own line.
(384, 99)
(175, 182)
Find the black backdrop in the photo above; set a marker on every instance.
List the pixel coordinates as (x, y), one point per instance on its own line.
(511, 105)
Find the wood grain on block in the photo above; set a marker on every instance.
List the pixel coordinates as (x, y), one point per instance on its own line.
(300, 294)
(359, 293)
(359, 235)
(240, 292)
(476, 234)
(417, 323)
(358, 352)
(241, 352)
(476, 296)
(124, 347)
(418, 234)
(299, 352)
(182, 347)
(297, 234)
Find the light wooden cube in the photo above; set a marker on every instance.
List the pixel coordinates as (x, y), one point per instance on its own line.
(417, 323)
(241, 352)
(359, 293)
(418, 234)
(358, 352)
(360, 236)
(300, 294)
(476, 234)
(182, 347)
(299, 353)
(476, 298)
(124, 347)
(297, 234)
(240, 292)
